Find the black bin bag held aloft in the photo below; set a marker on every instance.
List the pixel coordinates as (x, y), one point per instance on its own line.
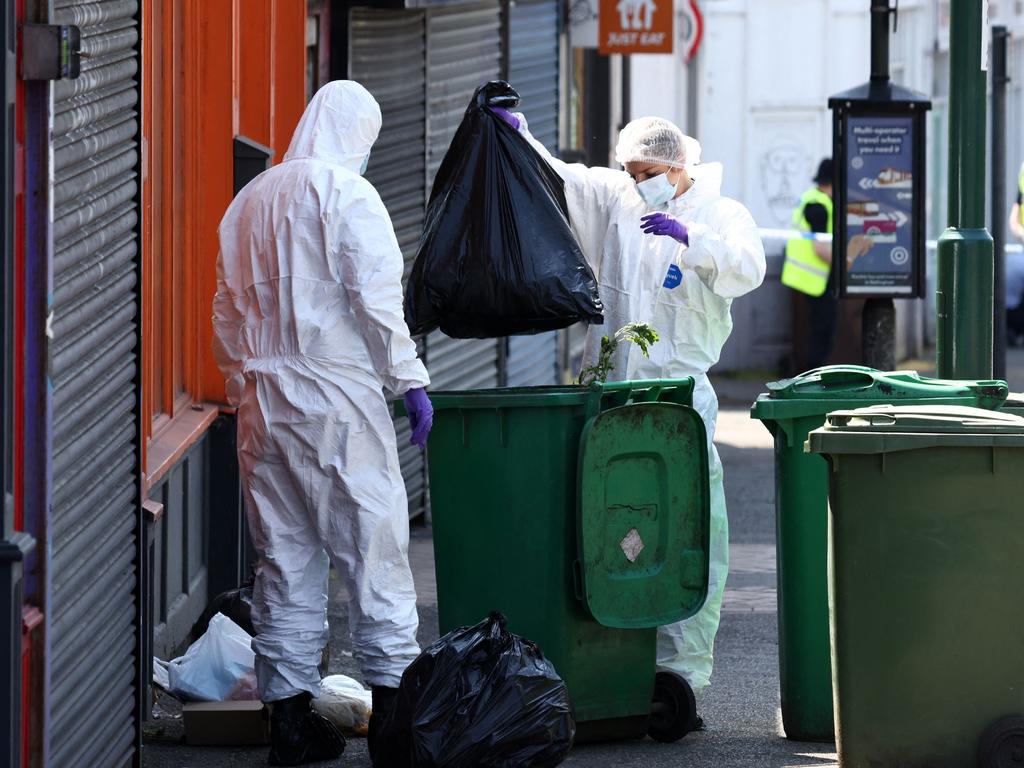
(480, 697)
(497, 256)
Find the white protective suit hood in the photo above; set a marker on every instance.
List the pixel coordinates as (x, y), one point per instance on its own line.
(686, 293)
(340, 126)
(308, 331)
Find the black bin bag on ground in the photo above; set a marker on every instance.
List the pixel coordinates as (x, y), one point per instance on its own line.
(497, 256)
(480, 697)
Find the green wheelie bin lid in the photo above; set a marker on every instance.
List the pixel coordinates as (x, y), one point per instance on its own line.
(644, 515)
(891, 428)
(816, 391)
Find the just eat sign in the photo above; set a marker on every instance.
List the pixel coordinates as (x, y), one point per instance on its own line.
(636, 26)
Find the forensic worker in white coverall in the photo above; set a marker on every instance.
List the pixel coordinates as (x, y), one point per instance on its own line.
(309, 332)
(670, 251)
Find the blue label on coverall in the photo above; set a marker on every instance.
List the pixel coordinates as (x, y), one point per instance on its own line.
(674, 277)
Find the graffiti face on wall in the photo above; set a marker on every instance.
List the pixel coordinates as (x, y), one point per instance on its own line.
(786, 168)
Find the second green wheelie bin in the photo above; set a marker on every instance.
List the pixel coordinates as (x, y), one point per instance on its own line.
(582, 514)
(1014, 404)
(926, 535)
(790, 410)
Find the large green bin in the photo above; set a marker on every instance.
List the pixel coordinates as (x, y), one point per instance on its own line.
(926, 536)
(790, 410)
(582, 514)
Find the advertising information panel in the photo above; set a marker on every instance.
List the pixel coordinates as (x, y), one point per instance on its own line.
(880, 245)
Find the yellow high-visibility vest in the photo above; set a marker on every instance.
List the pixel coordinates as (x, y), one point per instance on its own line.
(804, 270)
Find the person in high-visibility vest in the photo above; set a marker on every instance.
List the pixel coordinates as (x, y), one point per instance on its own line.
(1015, 272)
(1017, 211)
(808, 269)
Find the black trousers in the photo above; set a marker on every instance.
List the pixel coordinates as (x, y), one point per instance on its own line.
(822, 315)
(1015, 321)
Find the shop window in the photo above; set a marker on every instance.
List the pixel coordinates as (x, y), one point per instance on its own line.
(312, 55)
(317, 47)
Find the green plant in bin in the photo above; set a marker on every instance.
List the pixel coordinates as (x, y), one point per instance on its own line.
(641, 334)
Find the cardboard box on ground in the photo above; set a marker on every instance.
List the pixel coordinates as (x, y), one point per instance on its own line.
(226, 723)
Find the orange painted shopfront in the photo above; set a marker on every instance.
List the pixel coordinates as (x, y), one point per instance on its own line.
(212, 71)
(119, 180)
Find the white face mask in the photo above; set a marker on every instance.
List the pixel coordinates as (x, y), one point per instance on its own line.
(657, 190)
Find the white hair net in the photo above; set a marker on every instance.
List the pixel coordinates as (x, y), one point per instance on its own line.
(656, 140)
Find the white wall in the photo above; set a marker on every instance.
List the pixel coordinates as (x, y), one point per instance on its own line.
(765, 71)
(658, 82)
(763, 77)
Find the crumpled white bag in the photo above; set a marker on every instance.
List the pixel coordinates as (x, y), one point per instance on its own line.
(219, 666)
(345, 703)
(162, 673)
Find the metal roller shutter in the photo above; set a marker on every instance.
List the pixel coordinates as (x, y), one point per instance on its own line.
(387, 54)
(532, 360)
(575, 341)
(463, 52)
(92, 622)
(533, 27)
(414, 468)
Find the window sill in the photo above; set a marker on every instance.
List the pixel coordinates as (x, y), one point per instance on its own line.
(174, 440)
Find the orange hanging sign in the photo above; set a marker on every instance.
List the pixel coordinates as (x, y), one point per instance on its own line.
(636, 26)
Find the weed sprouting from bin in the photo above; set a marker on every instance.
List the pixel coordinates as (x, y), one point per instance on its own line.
(641, 334)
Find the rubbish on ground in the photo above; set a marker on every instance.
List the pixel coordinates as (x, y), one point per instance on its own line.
(162, 673)
(480, 697)
(236, 604)
(641, 334)
(219, 666)
(345, 703)
(226, 723)
(498, 256)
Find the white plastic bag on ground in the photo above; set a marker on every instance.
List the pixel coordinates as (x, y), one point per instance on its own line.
(345, 703)
(219, 666)
(162, 673)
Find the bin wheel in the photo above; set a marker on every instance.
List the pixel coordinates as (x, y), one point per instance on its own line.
(1002, 745)
(673, 709)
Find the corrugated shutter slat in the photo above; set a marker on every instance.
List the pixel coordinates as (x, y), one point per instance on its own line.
(463, 52)
(533, 65)
(533, 71)
(94, 367)
(387, 54)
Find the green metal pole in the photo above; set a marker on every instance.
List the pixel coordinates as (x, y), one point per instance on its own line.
(964, 300)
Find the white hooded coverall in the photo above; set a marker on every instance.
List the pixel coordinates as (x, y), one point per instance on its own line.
(685, 293)
(308, 330)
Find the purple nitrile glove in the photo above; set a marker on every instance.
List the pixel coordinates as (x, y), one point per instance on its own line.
(665, 225)
(421, 416)
(507, 116)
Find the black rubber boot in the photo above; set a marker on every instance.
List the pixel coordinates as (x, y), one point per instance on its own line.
(383, 701)
(298, 735)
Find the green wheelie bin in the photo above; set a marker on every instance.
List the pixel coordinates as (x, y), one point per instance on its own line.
(926, 536)
(582, 514)
(790, 410)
